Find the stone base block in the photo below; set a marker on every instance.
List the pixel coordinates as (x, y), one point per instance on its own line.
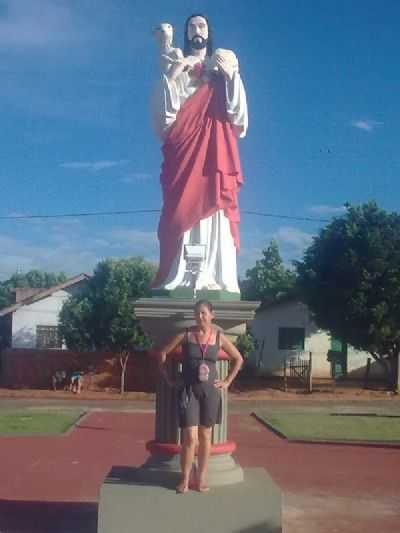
(128, 503)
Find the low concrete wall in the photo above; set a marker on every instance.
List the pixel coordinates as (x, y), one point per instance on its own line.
(27, 368)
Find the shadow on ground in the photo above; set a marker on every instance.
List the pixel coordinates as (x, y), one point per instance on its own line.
(263, 527)
(47, 517)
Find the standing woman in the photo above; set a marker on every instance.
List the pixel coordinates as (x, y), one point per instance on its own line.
(199, 396)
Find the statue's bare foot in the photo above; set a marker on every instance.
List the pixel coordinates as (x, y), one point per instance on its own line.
(214, 287)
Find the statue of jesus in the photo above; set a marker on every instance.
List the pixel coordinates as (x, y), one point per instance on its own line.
(200, 111)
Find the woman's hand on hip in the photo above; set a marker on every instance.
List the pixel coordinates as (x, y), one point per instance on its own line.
(221, 384)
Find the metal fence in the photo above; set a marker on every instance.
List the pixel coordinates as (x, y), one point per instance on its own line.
(298, 366)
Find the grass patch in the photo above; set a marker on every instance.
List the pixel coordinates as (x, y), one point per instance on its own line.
(335, 427)
(33, 423)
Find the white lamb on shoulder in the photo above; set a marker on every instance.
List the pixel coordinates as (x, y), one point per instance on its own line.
(164, 33)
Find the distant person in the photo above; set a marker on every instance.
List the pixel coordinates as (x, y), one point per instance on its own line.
(76, 382)
(59, 379)
(199, 393)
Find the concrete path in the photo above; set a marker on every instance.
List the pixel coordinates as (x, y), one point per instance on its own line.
(51, 484)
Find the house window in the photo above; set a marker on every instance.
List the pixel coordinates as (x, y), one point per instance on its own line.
(291, 339)
(48, 337)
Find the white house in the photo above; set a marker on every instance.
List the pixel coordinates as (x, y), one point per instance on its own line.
(285, 329)
(32, 322)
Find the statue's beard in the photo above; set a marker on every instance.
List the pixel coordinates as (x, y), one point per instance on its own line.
(198, 42)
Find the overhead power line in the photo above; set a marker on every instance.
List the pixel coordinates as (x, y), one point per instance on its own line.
(78, 215)
(144, 211)
(272, 215)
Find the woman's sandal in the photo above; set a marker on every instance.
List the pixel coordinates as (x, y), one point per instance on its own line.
(198, 485)
(182, 489)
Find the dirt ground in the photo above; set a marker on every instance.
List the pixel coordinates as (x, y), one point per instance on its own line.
(243, 389)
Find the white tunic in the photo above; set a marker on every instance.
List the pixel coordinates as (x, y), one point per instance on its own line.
(219, 270)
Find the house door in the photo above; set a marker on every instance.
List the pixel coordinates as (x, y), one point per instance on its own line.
(338, 358)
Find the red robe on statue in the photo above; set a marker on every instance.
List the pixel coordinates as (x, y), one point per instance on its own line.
(201, 172)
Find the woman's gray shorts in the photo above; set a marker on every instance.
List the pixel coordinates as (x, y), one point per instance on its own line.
(199, 405)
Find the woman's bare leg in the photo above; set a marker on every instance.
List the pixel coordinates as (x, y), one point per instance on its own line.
(203, 457)
(190, 441)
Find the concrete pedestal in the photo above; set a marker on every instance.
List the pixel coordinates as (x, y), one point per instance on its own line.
(165, 467)
(162, 318)
(144, 499)
(129, 502)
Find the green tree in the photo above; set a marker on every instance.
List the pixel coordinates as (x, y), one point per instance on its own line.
(5, 296)
(103, 317)
(33, 278)
(246, 343)
(350, 279)
(269, 280)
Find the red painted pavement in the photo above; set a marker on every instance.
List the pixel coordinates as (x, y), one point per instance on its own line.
(71, 468)
(343, 470)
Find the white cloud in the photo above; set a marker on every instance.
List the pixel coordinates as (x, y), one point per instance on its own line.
(326, 210)
(77, 247)
(292, 243)
(293, 239)
(73, 247)
(57, 26)
(16, 214)
(366, 125)
(21, 255)
(138, 242)
(26, 24)
(94, 166)
(45, 99)
(248, 257)
(40, 221)
(135, 177)
(52, 51)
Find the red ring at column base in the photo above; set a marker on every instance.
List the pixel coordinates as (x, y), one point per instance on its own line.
(168, 448)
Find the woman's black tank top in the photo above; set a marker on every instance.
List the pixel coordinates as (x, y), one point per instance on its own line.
(192, 358)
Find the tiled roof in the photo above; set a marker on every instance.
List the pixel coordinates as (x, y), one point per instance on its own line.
(44, 293)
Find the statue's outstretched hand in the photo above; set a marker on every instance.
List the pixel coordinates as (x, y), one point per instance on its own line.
(225, 66)
(191, 61)
(180, 65)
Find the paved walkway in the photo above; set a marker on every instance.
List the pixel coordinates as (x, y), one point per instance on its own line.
(51, 484)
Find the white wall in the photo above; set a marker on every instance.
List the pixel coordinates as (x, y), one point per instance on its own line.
(265, 328)
(41, 313)
(290, 315)
(356, 363)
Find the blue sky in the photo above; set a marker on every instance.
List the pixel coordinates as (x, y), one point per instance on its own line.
(322, 82)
